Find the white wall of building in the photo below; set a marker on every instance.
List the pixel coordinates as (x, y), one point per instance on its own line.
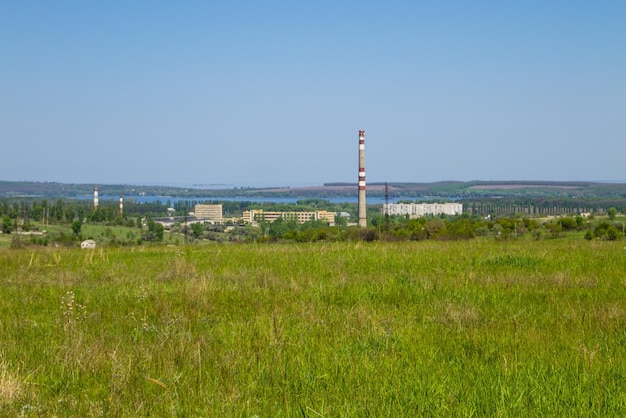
(422, 209)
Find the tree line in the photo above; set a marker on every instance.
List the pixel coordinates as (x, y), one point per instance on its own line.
(498, 223)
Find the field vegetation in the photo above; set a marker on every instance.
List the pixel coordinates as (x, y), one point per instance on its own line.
(480, 327)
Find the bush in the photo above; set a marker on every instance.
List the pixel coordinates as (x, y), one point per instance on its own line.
(607, 231)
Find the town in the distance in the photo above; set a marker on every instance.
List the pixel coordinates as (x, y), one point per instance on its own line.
(42, 213)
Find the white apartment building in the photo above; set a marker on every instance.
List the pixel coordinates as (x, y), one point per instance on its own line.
(417, 210)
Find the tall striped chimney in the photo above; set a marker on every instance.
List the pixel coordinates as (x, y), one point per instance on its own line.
(362, 203)
(95, 197)
(121, 205)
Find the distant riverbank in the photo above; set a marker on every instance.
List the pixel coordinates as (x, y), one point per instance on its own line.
(334, 192)
(374, 200)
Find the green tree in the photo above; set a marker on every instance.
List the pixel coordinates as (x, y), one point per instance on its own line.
(340, 220)
(158, 231)
(462, 228)
(76, 227)
(7, 224)
(605, 230)
(197, 229)
(281, 226)
(377, 219)
(580, 221)
(70, 213)
(154, 232)
(612, 212)
(435, 228)
(568, 224)
(612, 234)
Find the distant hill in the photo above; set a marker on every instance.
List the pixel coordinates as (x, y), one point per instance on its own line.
(443, 189)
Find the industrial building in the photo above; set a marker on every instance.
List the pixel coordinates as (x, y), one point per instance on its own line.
(212, 212)
(417, 210)
(254, 216)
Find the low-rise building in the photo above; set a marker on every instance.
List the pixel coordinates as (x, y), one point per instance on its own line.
(259, 215)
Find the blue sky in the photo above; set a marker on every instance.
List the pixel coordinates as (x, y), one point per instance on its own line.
(273, 93)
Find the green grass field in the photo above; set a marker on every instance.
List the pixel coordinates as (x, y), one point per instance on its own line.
(472, 328)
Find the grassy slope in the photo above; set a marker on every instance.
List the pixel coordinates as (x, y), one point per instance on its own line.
(408, 329)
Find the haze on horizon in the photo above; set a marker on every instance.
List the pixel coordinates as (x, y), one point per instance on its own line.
(273, 93)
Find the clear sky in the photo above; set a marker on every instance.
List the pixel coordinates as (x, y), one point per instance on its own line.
(273, 93)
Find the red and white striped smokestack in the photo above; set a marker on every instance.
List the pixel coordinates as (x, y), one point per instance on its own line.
(95, 197)
(121, 205)
(362, 203)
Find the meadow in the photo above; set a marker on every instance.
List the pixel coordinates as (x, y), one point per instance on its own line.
(465, 328)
